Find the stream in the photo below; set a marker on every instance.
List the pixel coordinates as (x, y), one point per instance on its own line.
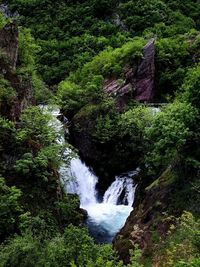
(107, 217)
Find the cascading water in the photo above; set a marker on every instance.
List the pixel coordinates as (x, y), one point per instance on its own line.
(122, 184)
(83, 182)
(104, 219)
(107, 218)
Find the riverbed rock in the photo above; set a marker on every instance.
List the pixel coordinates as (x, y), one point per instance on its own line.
(139, 80)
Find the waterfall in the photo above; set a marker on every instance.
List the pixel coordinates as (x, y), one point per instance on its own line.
(104, 219)
(83, 182)
(122, 184)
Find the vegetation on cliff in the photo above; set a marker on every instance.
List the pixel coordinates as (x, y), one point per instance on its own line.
(88, 57)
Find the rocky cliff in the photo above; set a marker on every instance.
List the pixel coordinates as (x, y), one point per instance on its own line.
(139, 80)
(8, 59)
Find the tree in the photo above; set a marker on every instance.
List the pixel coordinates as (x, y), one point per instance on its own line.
(190, 88)
(168, 133)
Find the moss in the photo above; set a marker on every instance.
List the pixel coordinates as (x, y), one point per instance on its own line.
(86, 112)
(166, 178)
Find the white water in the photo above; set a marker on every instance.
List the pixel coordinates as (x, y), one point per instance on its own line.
(82, 182)
(121, 183)
(104, 219)
(107, 218)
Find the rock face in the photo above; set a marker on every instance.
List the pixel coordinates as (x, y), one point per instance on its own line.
(9, 43)
(145, 75)
(144, 222)
(8, 61)
(139, 80)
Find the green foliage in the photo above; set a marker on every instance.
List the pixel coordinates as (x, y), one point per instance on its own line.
(35, 129)
(139, 15)
(168, 133)
(181, 248)
(190, 88)
(127, 127)
(180, 25)
(110, 61)
(172, 57)
(37, 166)
(10, 208)
(82, 29)
(189, 8)
(69, 210)
(70, 97)
(172, 51)
(106, 128)
(134, 121)
(7, 93)
(27, 65)
(3, 20)
(28, 50)
(86, 43)
(42, 226)
(7, 135)
(74, 248)
(79, 32)
(20, 251)
(40, 152)
(135, 256)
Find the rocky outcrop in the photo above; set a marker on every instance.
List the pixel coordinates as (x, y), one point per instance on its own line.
(145, 75)
(139, 80)
(9, 43)
(8, 61)
(151, 218)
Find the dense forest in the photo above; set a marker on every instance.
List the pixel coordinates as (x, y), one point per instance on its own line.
(126, 75)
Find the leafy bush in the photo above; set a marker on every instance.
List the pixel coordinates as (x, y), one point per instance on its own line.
(35, 129)
(7, 93)
(190, 88)
(181, 248)
(168, 133)
(74, 248)
(10, 208)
